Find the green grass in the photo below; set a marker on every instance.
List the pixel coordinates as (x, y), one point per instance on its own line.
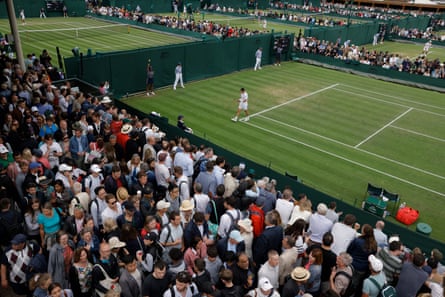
(334, 130)
(99, 40)
(409, 49)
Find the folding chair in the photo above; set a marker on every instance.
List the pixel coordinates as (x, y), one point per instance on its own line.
(388, 196)
(374, 191)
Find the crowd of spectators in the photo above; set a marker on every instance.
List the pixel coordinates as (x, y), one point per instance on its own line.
(96, 201)
(348, 52)
(185, 23)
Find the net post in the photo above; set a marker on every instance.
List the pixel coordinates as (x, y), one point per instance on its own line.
(128, 29)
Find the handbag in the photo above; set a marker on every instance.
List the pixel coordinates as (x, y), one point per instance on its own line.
(108, 283)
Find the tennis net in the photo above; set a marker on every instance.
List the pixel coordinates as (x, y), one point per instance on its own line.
(79, 32)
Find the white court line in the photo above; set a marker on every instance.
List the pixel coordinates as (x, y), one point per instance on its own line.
(293, 100)
(381, 129)
(394, 97)
(389, 102)
(418, 133)
(352, 147)
(347, 160)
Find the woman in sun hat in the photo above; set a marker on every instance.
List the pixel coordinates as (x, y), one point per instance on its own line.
(246, 231)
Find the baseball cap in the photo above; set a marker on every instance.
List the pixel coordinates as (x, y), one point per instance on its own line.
(95, 168)
(151, 236)
(3, 149)
(19, 238)
(264, 284)
(236, 235)
(34, 165)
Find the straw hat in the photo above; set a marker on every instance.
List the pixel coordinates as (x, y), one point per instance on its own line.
(114, 242)
(186, 205)
(300, 274)
(246, 224)
(122, 194)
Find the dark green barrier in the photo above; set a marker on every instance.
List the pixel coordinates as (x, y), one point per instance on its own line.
(414, 79)
(126, 71)
(358, 34)
(409, 238)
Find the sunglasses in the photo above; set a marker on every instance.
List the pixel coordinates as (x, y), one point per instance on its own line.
(112, 203)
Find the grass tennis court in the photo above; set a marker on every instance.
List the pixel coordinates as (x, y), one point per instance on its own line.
(84, 33)
(334, 130)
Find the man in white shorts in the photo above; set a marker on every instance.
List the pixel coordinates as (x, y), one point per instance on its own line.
(243, 105)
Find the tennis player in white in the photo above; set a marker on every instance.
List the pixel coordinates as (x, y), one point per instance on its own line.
(242, 105)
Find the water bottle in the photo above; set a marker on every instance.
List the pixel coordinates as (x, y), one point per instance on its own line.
(139, 194)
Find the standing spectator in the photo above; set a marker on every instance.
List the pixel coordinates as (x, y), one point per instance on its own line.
(375, 282)
(257, 216)
(178, 76)
(234, 242)
(213, 263)
(80, 274)
(412, 276)
(271, 268)
(258, 56)
(319, 224)
(11, 222)
(157, 282)
(115, 180)
(113, 210)
(314, 266)
(380, 237)
(49, 221)
(270, 239)
(197, 250)
(65, 11)
(285, 205)
(60, 257)
(78, 145)
(295, 286)
(183, 287)
(106, 271)
(131, 278)
(392, 263)
(246, 230)
(341, 275)
(265, 288)
(360, 249)
(207, 180)
(97, 207)
(172, 234)
(331, 214)
(150, 79)
(14, 264)
(228, 288)
(288, 258)
(56, 290)
(201, 199)
(344, 233)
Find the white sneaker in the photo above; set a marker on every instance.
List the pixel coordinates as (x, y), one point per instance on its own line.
(235, 119)
(183, 87)
(246, 119)
(148, 93)
(174, 88)
(153, 93)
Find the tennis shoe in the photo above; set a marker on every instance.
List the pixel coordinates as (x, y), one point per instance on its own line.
(235, 119)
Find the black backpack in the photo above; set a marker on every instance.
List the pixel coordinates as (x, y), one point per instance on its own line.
(350, 289)
(196, 168)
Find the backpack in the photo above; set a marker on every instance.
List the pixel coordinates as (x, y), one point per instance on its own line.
(234, 224)
(196, 169)
(386, 290)
(192, 288)
(97, 206)
(350, 289)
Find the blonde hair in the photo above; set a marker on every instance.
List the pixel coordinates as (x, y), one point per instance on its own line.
(38, 280)
(110, 224)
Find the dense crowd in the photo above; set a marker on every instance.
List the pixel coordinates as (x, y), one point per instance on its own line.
(420, 65)
(97, 202)
(181, 23)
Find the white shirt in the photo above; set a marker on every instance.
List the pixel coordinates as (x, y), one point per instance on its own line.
(54, 148)
(272, 273)
(109, 213)
(184, 161)
(226, 222)
(343, 235)
(201, 202)
(284, 207)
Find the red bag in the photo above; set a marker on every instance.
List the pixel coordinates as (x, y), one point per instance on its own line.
(407, 215)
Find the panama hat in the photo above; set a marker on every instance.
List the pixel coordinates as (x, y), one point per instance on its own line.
(300, 274)
(126, 128)
(186, 205)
